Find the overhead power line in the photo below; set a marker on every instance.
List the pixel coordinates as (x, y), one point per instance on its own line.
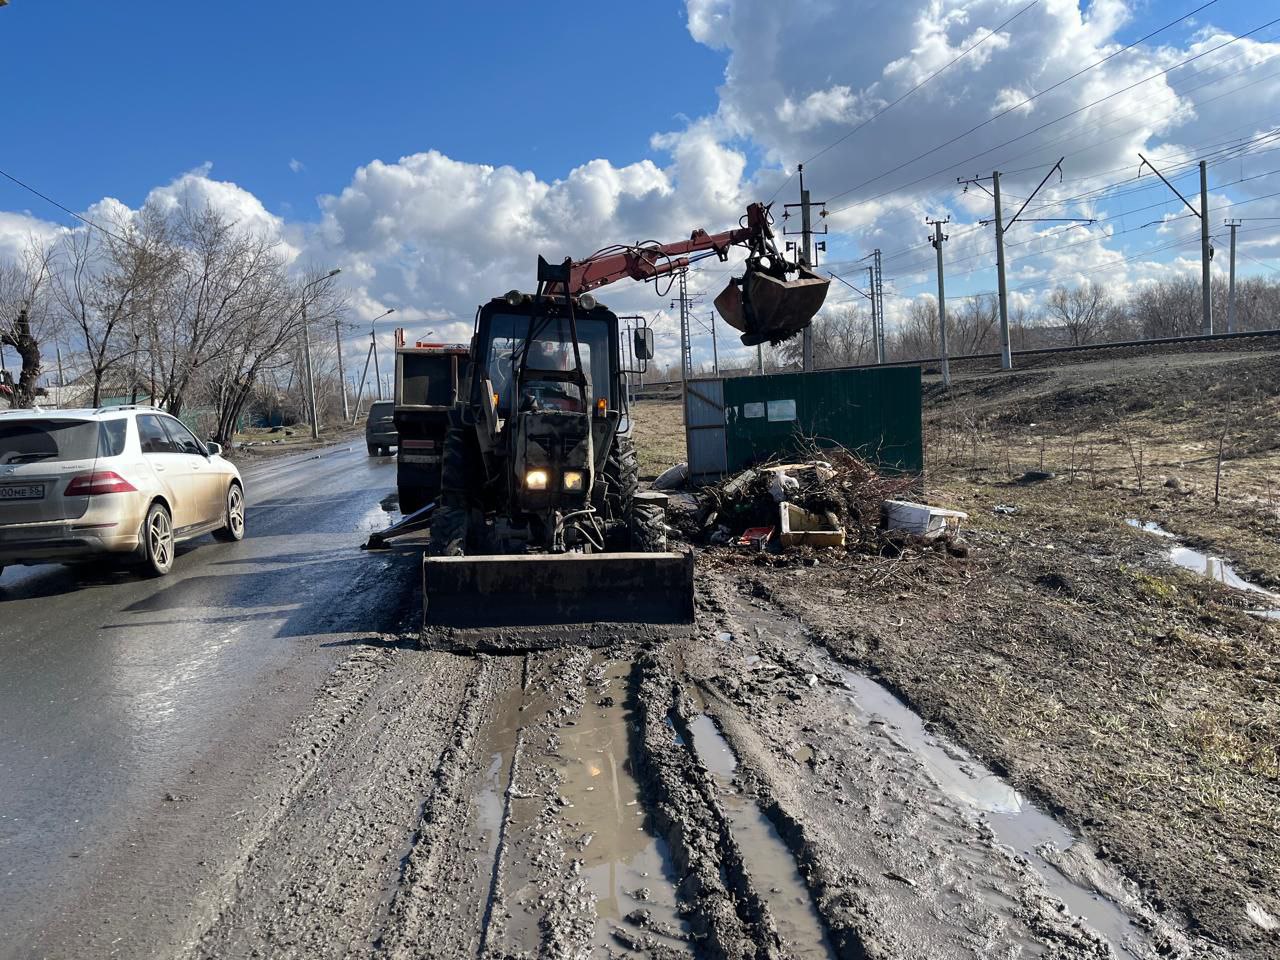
(65, 209)
(1022, 103)
(969, 160)
(885, 109)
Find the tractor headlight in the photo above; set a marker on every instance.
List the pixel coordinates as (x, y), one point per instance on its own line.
(535, 480)
(573, 481)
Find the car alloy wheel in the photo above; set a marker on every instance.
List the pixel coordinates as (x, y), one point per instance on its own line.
(235, 511)
(159, 539)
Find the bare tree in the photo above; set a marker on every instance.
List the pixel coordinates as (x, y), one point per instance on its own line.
(267, 337)
(25, 317)
(841, 337)
(972, 327)
(1082, 310)
(102, 284)
(918, 335)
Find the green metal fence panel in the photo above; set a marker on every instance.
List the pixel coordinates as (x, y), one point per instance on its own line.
(874, 412)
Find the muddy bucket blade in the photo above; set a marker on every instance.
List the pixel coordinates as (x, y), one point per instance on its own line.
(765, 308)
(557, 590)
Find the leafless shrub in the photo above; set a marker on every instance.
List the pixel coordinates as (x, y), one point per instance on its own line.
(1135, 444)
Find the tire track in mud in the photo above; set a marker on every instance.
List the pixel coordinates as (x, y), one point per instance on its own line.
(439, 902)
(897, 865)
(318, 876)
(575, 871)
(730, 919)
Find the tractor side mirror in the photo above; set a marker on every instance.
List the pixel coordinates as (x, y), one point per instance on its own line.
(644, 343)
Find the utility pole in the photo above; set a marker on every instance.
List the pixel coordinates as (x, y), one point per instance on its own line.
(877, 291)
(311, 379)
(1231, 280)
(806, 258)
(306, 350)
(686, 355)
(876, 339)
(62, 381)
(871, 275)
(685, 301)
(1206, 254)
(342, 377)
(759, 359)
(715, 351)
(363, 376)
(807, 254)
(1006, 349)
(1206, 251)
(937, 241)
(377, 373)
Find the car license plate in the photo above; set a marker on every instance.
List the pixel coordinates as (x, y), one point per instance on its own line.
(24, 491)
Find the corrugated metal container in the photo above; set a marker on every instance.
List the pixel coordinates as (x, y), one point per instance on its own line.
(874, 412)
(704, 430)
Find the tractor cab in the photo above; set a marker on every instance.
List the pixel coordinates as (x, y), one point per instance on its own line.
(548, 392)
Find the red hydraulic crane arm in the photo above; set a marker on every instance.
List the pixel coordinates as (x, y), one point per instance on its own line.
(647, 261)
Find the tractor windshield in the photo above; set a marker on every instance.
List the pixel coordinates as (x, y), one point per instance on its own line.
(551, 350)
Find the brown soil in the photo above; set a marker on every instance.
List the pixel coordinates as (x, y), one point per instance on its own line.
(1138, 701)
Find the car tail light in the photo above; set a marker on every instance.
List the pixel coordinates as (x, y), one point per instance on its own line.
(96, 484)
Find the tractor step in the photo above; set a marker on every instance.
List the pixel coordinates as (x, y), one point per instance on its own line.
(562, 591)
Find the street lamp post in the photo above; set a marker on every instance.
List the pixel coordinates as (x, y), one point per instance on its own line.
(306, 354)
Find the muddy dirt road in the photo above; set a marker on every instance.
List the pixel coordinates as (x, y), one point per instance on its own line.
(258, 757)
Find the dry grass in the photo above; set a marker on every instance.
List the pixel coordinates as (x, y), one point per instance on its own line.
(659, 435)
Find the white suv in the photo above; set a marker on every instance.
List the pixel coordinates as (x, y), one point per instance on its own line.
(75, 484)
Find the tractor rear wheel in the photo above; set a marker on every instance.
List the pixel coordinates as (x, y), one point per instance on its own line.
(450, 520)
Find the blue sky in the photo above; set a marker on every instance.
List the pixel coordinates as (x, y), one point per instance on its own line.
(118, 97)
(616, 122)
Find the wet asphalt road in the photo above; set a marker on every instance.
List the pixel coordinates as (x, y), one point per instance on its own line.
(118, 694)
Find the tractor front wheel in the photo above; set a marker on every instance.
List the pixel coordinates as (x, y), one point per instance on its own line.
(647, 527)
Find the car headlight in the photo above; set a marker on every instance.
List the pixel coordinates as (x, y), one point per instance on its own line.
(573, 480)
(535, 480)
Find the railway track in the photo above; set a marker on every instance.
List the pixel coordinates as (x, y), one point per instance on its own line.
(979, 363)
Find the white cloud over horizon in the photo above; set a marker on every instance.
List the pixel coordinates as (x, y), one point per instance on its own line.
(433, 236)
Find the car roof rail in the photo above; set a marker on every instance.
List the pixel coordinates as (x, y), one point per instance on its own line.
(129, 406)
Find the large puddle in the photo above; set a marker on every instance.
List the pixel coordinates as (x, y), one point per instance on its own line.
(1016, 822)
(766, 857)
(1214, 568)
(627, 868)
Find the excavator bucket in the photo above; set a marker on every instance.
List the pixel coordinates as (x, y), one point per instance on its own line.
(544, 595)
(767, 309)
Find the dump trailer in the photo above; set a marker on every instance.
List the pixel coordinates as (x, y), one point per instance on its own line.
(540, 522)
(430, 380)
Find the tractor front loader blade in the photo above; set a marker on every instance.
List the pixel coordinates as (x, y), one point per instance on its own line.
(539, 600)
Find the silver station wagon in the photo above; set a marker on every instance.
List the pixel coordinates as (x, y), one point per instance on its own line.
(125, 481)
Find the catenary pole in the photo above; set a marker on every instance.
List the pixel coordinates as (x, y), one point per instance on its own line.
(1006, 352)
(1206, 254)
(937, 241)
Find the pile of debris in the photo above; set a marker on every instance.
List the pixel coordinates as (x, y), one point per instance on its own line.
(833, 498)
